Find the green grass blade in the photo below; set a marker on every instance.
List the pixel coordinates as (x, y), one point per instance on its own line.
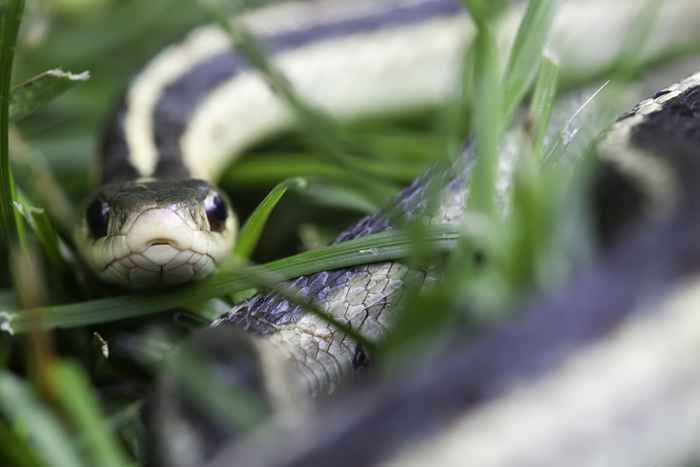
(14, 451)
(273, 168)
(253, 227)
(384, 246)
(525, 56)
(19, 404)
(9, 26)
(44, 231)
(485, 10)
(78, 399)
(41, 89)
(542, 103)
(487, 121)
(596, 114)
(529, 225)
(338, 196)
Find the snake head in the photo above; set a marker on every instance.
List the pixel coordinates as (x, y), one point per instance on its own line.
(154, 233)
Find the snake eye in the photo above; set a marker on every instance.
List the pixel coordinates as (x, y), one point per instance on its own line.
(216, 210)
(97, 217)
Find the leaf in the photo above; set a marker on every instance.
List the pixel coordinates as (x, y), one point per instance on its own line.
(379, 247)
(273, 168)
(10, 224)
(542, 103)
(487, 121)
(44, 231)
(19, 404)
(339, 197)
(251, 230)
(27, 97)
(525, 56)
(485, 10)
(78, 399)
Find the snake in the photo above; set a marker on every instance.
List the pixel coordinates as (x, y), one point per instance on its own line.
(159, 220)
(187, 115)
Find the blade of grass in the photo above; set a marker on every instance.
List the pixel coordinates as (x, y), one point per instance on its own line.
(526, 53)
(373, 248)
(542, 104)
(31, 285)
(19, 404)
(401, 145)
(39, 90)
(335, 195)
(485, 9)
(273, 168)
(44, 231)
(414, 329)
(76, 395)
(9, 26)
(530, 226)
(533, 198)
(592, 117)
(487, 121)
(14, 450)
(253, 227)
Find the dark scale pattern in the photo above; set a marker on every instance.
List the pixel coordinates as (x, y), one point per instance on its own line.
(263, 313)
(673, 134)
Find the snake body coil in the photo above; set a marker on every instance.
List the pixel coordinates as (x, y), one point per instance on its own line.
(197, 106)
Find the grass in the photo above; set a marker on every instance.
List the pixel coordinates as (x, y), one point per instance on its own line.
(9, 26)
(518, 241)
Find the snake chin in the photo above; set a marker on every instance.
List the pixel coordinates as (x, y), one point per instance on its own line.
(159, 265)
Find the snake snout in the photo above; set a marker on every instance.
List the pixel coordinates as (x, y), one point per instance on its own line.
(159, 229)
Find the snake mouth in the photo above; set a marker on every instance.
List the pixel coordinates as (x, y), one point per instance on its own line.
(159, 265)
(160, 242)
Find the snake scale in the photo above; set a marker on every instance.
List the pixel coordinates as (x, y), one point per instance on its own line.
(195, 98)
